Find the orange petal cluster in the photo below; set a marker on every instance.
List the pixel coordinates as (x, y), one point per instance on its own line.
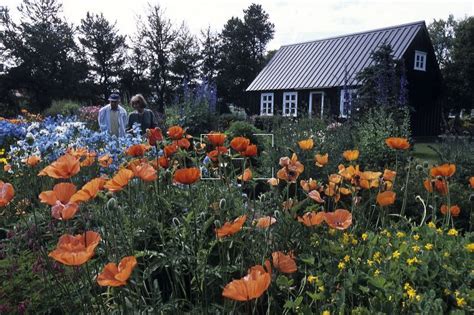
(239, 144)
(6, 193)
(284, 263)
(217, 139)
(137, 150)
(291, 169)
(264, 222)
(116, 276)
(250, 287)
(75, 250)
(453, 210)
(119, 181)
(386, 198)
(397, 143)
(340, 219)
(351, 155)
(306, 145)
(60, 201)
(187, 176)
(321, 159)
(89, 190)
(230, 228)
(64, 167)
(445, 170)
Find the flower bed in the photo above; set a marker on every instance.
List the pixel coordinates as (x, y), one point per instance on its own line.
(129, 225)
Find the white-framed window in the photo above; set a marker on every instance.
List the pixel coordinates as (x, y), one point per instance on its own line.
(346, 102)
(290, 104)
(266, 104)
(420, 60)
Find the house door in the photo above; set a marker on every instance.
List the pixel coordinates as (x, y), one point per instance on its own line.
(316, 104)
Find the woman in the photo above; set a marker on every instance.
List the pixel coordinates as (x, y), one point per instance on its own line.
(141, 114)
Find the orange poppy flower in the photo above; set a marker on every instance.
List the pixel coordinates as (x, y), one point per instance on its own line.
(187, 176)
(239, 144)
(60, 201)
(145, 171)
(349, 173)
(75, 250)
(369, 179)
(105, 160)
(246, 176)
(471, 181)
(292, 168)
(454, 210)
(273, 181)
(7, 167)
(386, 198)
(397, 143)
(335, 178)
(346, 191)
(309, 184)
(389, 175)
(175, 132)
(214, 154)
(89, 190)
(284, 263)
(250, 151)
(321, 160)
(32, 160)
(250, 287)
(64, 167)
(445, 170)
(137, 149)
(216, 138)
(183, 143)
(89, 159)
(306, 145)
(154, 135)
(428, 184)
(113, 276)
(230, 228)
(340, 219)
(170, 149)
(288, 204)
(351, 155)
(163, 162)
(312, 218)
(120, 180)
(314, 194)
(441, 186)
(6, 193)
(77, 152)
(264, 222)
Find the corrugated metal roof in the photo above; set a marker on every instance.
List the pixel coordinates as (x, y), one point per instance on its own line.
(329, 62)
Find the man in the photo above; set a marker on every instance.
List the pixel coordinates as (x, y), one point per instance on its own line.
(113, 117)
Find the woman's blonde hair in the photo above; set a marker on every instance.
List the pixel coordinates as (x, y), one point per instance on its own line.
(139, 99)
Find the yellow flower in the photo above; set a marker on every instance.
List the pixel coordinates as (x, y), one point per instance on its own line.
(341, 265)
(416, 237)
(326, 312)
(453, 232)
(377, 257)
(416, 248)
(396, 254)
(386, 232)
(365, 236)
(354, 241)
(432, 225)
(447, 291)
(321, 288)
(446, 254)
(345, 238)
(347, 258)
(332, 231)
(400, 234)
(414, 260)
(460, 301)
(376, 272)
(312, 279)
(429, 246)
(469, 247)
(370, 262)
(439, 230)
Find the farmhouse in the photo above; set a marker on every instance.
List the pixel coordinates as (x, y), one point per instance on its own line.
(319, 78)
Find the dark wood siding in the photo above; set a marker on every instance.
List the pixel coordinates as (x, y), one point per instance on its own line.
(424, 88)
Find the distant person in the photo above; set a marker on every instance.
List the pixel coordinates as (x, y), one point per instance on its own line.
(141, 114)
(113, 117)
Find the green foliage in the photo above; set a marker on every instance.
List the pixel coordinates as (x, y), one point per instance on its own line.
(243, 129)
(63, 107)
(195, 116)
(376, 125)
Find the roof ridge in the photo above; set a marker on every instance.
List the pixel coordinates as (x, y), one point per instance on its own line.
(357, 33)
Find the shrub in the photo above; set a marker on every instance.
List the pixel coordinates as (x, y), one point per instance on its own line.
(63, 107)
(195, 116)
(374, 127)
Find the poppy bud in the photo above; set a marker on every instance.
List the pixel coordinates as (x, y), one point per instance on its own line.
(176, 222)
(419, 168)
(112, 204)
(217, 223)
(425, 164)
(222, 203)
(471, 197)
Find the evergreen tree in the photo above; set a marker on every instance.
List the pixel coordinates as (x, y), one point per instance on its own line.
(209, 55)
(45, 60)
(243, 44)
(158, 37)
(185, 61)
(105, 50)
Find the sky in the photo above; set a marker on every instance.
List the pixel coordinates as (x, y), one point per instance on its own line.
(295, 20)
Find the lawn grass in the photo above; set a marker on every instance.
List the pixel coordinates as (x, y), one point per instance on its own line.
(422, 151)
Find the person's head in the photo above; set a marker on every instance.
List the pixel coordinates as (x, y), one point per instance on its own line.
(138, 102)
(114, 100)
